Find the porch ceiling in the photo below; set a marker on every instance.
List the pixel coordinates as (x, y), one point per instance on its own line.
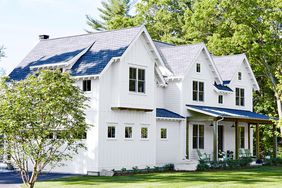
(231, 114)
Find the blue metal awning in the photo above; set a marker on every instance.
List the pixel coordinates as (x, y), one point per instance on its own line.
(167, 114)
(230, 113)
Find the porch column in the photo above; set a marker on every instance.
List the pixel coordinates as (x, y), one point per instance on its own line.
(274, 142)
(237, 140)
(257, 141)
(215, 141)
(187, 138)
(249, 137)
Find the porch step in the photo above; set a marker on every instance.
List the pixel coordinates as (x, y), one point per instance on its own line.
(186, 166)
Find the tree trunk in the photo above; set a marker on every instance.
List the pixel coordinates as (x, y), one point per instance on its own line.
(279, 108)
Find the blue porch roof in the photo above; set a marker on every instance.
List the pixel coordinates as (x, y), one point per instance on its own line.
(228, 113)
(164, 113)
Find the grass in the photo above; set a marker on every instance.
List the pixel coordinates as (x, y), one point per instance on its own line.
(260, 177)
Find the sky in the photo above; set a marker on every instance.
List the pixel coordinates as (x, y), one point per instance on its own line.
(21, 21)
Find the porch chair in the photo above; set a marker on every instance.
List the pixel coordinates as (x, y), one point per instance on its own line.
(203, 156)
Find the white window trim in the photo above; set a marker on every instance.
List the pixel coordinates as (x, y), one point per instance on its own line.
(111, 125)
(144, 139)
(163, 139)
(198, 90)
(132, 132)
(137, 80)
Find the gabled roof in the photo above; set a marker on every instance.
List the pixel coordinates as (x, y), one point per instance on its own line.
(228, 113)
(106, 45)
(166, 114)
(229, 65)
(179, 58)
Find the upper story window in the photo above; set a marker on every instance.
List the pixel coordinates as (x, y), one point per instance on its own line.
(240, 97)
(198, 136)
(198, 67)
(239, 76)
(220, 99)
(198, 91)
(86, 85)
(137, 80)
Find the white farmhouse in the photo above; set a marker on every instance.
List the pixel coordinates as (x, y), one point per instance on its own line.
(152, 103)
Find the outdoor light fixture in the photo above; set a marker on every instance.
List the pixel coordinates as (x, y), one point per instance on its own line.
(233, 125)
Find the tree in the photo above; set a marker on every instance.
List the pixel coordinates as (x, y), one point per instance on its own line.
(164, 19)
(114, 15)
(2, 53)
(42, 119)
(249, 26)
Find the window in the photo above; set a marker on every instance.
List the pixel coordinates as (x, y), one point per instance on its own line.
(198, 136)
(240, 97)
(239, 76)
(86, 85)
(163, 133)
(198, 67)
(111, 132)
(144, 132)
(198, 91)
(242, 137)
(136, 80)
(128, 132)
(220, 99)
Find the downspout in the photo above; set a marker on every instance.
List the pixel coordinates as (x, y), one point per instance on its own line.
(215, 138)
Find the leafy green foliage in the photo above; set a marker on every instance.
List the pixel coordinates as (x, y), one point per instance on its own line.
(164, 19)
(114, 15)
(34, 109)
(228, 164)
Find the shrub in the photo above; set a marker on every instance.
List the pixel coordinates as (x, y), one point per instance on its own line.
(168, 167)
(273, 162)
(135, 169)
(228, 164)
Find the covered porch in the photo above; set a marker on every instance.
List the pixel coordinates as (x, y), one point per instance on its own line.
(220, 131)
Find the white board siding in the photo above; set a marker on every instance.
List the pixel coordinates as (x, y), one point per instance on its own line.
(169, 150)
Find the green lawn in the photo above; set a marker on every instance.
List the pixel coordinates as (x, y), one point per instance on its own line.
(255, 177)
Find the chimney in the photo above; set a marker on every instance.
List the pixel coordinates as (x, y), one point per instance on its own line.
(43, 37)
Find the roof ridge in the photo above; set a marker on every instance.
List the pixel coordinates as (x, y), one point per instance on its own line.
(183, 45)
(231, 55)
(94, 33)
(164, 42)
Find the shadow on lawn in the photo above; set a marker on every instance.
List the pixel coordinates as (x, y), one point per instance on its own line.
(244, 176)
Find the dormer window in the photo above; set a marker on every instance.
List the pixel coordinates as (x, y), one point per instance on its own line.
(86, 85)
(198, 67)
(137, 80)
(239, 76)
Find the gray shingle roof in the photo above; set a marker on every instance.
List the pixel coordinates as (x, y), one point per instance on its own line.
(228, 65)
(179, 58)
(106, 45)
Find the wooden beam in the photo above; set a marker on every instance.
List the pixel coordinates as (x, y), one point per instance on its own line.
(249, 136)
(254, 121)
(274, 142)
(133, 109)
(237, 140)
(187, 138)
(215, 141)
(257, 141)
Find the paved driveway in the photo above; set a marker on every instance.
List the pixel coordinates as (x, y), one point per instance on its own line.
(13, 179)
